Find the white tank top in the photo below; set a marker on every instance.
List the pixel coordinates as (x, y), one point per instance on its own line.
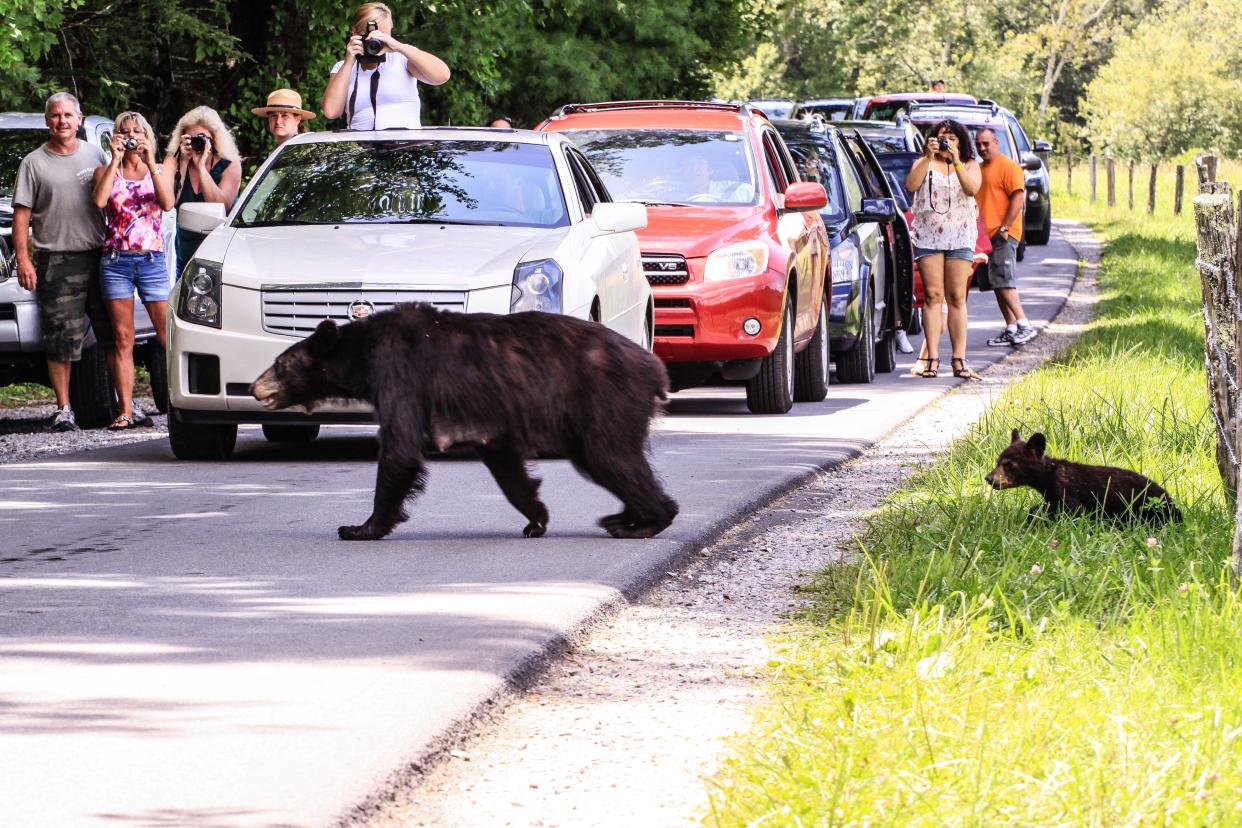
(396, 98)
(945, 218)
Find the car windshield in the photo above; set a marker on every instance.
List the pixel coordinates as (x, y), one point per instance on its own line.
(882, 142)
(816, 162)
(774, 109)
(836, 111)
(408, 181)
(896, 166)
(16, 144)
(671, 166)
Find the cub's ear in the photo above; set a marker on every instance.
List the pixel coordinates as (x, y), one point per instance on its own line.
(1036, 445)
(323, 340)
(1015, 436)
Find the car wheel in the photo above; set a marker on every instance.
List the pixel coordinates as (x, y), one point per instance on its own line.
(156, 361)
(811, 366)
(200, 441)
(858, 364)
(91, 395)
(290, 433)
(1044, 232)
(771, 391)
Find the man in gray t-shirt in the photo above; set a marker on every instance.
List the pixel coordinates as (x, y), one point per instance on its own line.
(52, 198)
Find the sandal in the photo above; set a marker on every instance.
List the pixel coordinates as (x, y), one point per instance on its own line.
(960, 369)
(932, 368)
(122, 423)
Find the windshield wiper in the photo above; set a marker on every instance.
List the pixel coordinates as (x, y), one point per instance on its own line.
(428, 221)
(280, 223)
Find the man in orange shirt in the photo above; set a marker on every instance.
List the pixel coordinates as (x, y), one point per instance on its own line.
(1000, 198)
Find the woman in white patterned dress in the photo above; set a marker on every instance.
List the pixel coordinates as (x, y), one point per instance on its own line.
(944, 182)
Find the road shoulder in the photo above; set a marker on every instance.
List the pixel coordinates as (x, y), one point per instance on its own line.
(625, 728)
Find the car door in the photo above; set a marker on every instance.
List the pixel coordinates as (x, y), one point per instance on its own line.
(899, 255)
(607, 255)
(868, 234)
(797, 233)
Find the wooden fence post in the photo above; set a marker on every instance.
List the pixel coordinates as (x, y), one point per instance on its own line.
(1178, 188)
(1217, 260)
(1112, 183)
(1131, 185)
(1093, 179)
(1205, 166)
(1151, 191)
(1069, 173)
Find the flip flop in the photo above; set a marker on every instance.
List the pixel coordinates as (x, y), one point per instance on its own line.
(122, 423)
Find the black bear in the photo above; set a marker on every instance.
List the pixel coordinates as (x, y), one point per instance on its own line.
(514, 387)
(1077, 487)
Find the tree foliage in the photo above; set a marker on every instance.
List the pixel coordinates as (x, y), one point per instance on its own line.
(517, 57)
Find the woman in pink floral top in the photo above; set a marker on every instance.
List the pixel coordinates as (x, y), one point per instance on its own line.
(944, 182)
(134, 193)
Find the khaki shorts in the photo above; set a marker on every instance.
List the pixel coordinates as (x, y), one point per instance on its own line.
(1002, 269)
(70, 303)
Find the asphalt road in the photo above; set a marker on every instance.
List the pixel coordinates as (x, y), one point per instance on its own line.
(189, 644)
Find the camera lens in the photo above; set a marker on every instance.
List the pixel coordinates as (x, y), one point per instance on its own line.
(944, 143)
(131, 143)
(372, 48)
(198, 143)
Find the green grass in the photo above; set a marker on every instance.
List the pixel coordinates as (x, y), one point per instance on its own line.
(16, 396)
(969, 669)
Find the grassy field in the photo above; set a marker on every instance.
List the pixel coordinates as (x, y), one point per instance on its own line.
(967, 669)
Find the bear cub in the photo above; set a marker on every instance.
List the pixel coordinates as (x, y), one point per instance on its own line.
(514, 387)
(1077, 487)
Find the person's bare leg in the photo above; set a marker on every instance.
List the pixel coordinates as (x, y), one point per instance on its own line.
(58, 375)
(932, 268)
(956, 286)
(158, 311)
(1010, 305)
(121, 357)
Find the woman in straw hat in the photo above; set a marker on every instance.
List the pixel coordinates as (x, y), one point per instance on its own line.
(285, 115)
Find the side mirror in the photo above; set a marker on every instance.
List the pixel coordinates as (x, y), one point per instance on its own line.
(619, 216)
(200, 216)
(877, 211)
(1042, 146)
(1030, 161)
(805, 196)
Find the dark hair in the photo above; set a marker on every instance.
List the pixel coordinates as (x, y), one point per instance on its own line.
(965, 147)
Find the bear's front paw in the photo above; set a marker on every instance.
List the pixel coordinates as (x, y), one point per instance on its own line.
(534, 529)
(354, 533)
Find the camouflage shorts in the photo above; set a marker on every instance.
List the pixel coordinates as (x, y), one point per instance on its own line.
(70, 303)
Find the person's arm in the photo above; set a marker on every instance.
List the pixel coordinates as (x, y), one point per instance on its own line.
(421, 64)
(104, 173)
(21, 246)
(226, 191)
(337, 91)
(160, 178)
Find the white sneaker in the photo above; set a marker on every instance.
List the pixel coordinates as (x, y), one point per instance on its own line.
(1024, 334)
(63, 420)
(903, 342)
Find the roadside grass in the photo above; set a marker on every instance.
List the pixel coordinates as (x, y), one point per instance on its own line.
(970, 668)
(17, 396)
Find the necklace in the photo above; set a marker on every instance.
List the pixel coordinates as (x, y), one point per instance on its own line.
(931, 193)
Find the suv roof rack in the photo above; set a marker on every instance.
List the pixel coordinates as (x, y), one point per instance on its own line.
(990, 107)
(723, 106)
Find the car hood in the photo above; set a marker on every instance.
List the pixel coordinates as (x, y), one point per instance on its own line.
(446, 256)
(695, 231)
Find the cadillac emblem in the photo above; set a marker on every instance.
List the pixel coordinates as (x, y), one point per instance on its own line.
(360, 309)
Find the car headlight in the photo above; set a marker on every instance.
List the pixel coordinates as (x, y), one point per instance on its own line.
(845, 264)
(1033, 195)
(537, 286)
(199, 301)
(737, 261)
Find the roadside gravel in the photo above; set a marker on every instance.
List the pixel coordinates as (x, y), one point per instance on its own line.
(626, 728)
(25, 433)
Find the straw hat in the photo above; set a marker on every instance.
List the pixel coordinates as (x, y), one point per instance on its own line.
(284, 100)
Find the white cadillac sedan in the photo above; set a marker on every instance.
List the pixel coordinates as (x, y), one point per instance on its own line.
(342, 225)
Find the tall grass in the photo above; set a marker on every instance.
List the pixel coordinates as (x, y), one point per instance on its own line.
(971, 667)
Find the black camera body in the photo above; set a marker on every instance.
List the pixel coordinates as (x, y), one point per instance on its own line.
(371, 48)
(131, 143)
(198, 143)
(944, 144)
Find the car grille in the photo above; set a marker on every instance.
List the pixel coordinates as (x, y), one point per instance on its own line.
(8, 313)
(662, 269)
(295, 311)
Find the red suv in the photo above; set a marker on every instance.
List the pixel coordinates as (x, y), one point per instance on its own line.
(734, 247)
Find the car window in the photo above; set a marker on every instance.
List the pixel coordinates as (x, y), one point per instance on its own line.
(597, 186)
(853, 187)
(671, 166)
(872, 188)
(815, 163)
(1019, 134)
(586, 193)
(788, 169)
(16, 144)
(829, 111)
(886, 141)
(408, 181)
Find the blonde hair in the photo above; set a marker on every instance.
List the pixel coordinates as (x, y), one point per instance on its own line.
(125, 117)
(366, 12)
(222, 143)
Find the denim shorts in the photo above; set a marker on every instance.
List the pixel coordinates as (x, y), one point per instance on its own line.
(965, 254)
(121, 271)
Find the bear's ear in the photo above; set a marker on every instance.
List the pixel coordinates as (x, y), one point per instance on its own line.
(1015, 436)
(323, 340)
(1036, 445)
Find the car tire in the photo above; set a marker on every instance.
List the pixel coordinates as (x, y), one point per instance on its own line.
(811, 367)
(886, 351)
(156, 361)
(1044, 232)
(771, 391)
(91, 395)
(276, 433)
(200, 441)
(857, 365)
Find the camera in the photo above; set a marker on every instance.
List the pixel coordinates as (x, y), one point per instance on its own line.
(198, 143)
(131, 143)
(371, 48)
(944, 144)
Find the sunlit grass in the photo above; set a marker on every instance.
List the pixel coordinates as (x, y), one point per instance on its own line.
(970, 667)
